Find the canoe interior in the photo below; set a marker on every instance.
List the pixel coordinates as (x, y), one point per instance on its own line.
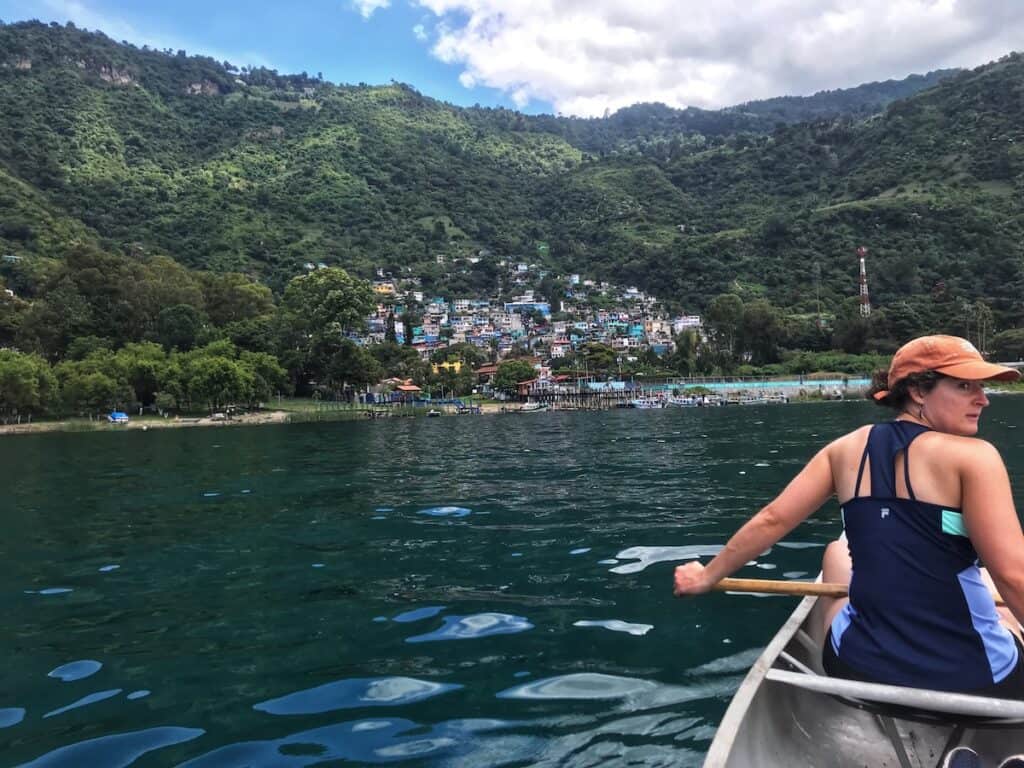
(772, 724)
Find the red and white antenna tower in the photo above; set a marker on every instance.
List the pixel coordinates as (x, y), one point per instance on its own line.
(865, 300)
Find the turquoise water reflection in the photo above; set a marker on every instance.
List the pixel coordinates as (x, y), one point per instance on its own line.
(282, 599)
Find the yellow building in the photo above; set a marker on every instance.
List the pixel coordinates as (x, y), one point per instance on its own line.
(452, 365)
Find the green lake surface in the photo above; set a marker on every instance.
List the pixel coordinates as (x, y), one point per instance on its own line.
(463, 591)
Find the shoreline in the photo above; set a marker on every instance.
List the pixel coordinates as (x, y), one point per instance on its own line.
(262, 417)
(266, 416)
(275, 416)
(80, 425)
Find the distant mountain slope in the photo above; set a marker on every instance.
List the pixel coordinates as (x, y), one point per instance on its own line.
(258, 172)
(663, 132)
(860, 101)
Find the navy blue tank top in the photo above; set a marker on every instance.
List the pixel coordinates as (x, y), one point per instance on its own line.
(919, 613)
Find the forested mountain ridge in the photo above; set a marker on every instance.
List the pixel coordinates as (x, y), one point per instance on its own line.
(651, 128)
(251, 171)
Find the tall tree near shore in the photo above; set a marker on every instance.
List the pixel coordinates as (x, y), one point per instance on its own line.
(27, 384)
(724, 318)
(329, 301)
(318, 310)
(511, 373)
(760, 332)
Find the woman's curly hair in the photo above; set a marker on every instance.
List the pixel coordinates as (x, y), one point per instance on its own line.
(899, 395)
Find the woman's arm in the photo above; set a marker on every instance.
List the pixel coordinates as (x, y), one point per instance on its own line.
(804, 494)
(991, 520)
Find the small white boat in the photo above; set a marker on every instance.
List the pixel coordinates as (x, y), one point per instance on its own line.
(646, 403)
(433, 412)
(753, 400)
(788, 713)
(682, 402)
(533, 407)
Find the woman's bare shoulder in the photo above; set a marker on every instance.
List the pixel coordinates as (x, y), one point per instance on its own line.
(961, 446)
(856, 438)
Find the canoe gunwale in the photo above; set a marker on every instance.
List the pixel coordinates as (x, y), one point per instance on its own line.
(721, 746)
(984, 712)
(777, 669)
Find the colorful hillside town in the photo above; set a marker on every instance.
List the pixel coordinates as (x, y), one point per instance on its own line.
(587, 311)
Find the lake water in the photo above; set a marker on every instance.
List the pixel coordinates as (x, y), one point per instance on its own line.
(465, 591)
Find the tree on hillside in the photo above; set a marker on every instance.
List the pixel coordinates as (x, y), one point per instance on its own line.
(683, 359)
(850, 331)
(11, 312)
(50, 324)
(329, 301)
(510, 374)
(400, 362)
(600, 357)
(318, 309)
(178, 327)
(761, 331)
(1008, 346)
(896, 324)
(232, 297)
(256, 334)
(352, 366)
(269, 377)
(723, 320)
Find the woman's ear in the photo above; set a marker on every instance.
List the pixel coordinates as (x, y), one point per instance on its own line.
(916, 395)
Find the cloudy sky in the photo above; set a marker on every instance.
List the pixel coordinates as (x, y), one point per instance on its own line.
(579, 57)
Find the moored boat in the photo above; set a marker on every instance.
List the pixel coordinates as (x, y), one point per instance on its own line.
(787, 712)
(683, 402)
(646, 402)
(533, 407)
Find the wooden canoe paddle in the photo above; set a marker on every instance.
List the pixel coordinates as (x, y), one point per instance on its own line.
(802, 588)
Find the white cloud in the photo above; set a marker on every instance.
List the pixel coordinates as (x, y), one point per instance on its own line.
(583, 56)
(367, 7)
(79, 14)
(420, 32)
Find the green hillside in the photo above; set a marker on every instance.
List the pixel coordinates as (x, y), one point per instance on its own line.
(156, 152)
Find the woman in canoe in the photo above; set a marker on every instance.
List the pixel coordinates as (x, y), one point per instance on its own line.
(915, 522)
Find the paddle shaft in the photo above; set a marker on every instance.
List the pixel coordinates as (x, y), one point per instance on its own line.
(803, 588)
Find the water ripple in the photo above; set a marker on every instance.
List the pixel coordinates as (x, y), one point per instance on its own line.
(418, 614)
(76, 670)
(11, 716)
(446, 512)
(115, 751)
(475, 626)
(646, 556)
(615, 625)
(374, 741)
(356, 692)
(85, 701)
(581, 685)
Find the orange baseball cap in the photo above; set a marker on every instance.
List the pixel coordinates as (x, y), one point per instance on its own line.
(948, 355)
